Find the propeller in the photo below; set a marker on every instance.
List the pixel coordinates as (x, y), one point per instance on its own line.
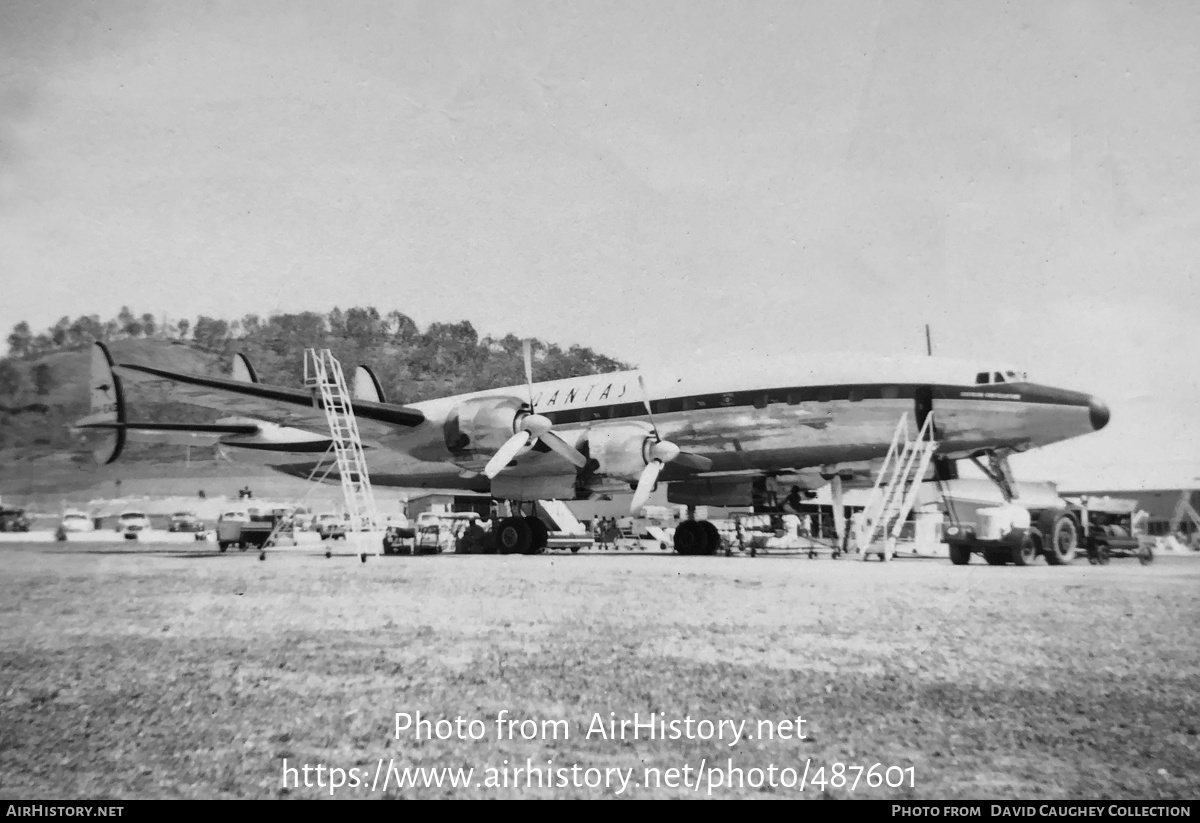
(531, 427)
(658, 454)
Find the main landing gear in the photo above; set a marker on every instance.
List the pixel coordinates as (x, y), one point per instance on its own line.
(522, 534)
(695, 537)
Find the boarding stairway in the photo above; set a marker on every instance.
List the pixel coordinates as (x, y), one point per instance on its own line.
(323, 374)
(896, 489)
(559, 517)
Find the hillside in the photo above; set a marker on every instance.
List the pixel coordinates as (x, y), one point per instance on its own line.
(44, 388)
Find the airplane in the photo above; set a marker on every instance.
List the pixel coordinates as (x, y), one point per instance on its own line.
(721, 434)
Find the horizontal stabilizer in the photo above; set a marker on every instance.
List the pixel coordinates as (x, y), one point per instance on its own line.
(260, 399)
(199, 428)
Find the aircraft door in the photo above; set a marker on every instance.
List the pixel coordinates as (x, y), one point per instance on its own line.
(923, 404)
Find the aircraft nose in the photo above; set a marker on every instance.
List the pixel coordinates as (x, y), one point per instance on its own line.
(1097, 413)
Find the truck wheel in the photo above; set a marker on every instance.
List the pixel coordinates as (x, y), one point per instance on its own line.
(997, 557)
(959, 555)
(222, 546)
(1026, 551)
(1061, 537)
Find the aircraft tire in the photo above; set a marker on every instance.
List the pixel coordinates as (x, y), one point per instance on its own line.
(996, 557)
(541, 534)
(690, 538)
(712, 537)
(1027, 551)
(515, 536)
(959, 555)
(1061, 536)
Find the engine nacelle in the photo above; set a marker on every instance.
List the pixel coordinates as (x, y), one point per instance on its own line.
(621, 449)
(481, 425)
(554, 487)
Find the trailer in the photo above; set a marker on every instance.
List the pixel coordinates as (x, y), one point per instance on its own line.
(1113, 527)
(244, 530)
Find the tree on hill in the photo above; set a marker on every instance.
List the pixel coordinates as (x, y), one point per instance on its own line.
(21, 339)
(411, 364)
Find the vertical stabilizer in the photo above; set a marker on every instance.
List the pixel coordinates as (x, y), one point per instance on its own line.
(366, 385)
(243, 371)
(103, 430)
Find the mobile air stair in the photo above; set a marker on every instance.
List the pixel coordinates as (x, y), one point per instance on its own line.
(323, 373)
(895, 491)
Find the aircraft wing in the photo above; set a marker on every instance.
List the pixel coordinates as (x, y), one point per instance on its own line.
(280, 404)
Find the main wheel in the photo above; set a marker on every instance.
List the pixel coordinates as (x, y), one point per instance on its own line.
(1061, 537)
(712, 537)
(541, 534)
(515, 536)
(1027, 552)
(690, 538)
(959, 555)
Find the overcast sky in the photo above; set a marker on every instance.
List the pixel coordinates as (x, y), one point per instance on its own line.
(661, 181)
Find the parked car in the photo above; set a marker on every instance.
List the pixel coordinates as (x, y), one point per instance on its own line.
(132, 523)
(13, 520)
(75, 521)
(185, 522)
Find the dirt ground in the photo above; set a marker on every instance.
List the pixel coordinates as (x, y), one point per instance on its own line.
(143, 671)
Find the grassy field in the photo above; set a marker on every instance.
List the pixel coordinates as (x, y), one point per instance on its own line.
(133, 672)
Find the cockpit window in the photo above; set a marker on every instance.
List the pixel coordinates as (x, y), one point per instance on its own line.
(998, 377)
(982, 377)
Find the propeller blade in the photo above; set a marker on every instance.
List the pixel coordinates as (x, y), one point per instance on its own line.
(506, 453)
(694, 462)
(646, 403)
(527, 351)
(564, 449)
(645, 485)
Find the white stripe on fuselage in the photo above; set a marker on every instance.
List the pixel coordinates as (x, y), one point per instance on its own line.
(720, 377)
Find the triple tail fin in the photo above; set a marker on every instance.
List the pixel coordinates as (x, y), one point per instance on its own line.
(103, 430)
(366, 386)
